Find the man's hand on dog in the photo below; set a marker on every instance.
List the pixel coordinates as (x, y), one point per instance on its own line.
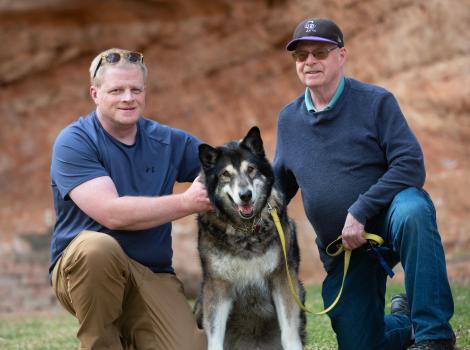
(352, 234)
(195, 197)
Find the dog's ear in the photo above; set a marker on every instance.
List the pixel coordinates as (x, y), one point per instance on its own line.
(207, 156)
(254, 142)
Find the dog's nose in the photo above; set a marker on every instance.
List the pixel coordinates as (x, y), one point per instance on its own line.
(245, 195)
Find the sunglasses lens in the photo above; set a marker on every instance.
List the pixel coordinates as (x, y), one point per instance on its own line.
(300, 56)
(320, 54)
(113, 57)
(134, 57)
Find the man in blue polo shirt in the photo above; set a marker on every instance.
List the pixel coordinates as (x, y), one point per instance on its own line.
(112, 174)
(359, 167)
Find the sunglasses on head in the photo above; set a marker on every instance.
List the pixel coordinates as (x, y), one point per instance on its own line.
(115, 57)
(319, 54)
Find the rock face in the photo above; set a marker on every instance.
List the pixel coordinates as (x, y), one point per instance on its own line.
(216, 68)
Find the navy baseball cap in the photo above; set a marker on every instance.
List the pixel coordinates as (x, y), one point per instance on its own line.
(316, 29)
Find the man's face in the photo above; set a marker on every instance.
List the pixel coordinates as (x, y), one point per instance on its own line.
(317, 72)
(120, 99)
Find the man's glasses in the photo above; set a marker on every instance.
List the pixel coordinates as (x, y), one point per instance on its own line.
(115, 57)
(319, 54)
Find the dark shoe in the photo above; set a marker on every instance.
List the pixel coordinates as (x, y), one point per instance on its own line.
(434, 345)
(399, 305)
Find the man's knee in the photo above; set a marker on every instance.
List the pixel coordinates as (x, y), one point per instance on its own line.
(411, 206)
(98, 255)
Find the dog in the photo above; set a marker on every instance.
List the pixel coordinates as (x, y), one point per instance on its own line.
(245, 302)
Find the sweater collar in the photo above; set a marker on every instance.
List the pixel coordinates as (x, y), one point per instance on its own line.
(308, 98)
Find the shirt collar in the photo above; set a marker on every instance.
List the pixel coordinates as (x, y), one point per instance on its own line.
(311, 106)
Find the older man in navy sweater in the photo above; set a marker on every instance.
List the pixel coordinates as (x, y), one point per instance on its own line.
(347, 146)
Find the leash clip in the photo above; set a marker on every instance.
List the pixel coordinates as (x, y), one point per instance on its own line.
(371, 245)
(270, 208)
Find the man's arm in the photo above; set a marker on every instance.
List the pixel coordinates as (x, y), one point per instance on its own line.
(98, 198)
(405, 168)
(285, 180)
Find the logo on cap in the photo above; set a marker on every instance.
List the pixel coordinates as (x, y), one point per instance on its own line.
(310, 26)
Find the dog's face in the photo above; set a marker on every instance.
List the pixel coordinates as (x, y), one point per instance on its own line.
(237, 175)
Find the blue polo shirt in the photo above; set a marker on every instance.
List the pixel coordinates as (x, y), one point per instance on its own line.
(159, 157)
(311, 106)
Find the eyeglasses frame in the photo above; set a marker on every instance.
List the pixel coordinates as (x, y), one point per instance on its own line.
(122, 54)
(328, 50)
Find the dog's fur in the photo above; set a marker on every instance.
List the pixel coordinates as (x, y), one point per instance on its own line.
(245, 301)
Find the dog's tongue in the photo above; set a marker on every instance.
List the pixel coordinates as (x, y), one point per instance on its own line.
(246, 210)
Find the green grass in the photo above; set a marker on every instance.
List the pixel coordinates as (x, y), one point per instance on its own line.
(321, 336)
(39, 332)
(57, 331)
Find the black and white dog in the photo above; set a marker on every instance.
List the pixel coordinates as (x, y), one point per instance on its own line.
(245, 302)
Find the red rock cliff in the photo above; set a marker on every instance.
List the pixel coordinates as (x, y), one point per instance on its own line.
(218, 67)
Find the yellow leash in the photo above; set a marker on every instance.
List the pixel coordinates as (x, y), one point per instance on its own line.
(374, 239)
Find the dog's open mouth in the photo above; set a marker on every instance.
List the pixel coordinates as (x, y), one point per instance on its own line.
(246, 210)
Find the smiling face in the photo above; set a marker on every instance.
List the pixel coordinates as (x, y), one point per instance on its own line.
(120, 98)
(320, 73)
(241, 188)
(238, 177)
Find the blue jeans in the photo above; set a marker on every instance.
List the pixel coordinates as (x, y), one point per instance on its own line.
(409, 229)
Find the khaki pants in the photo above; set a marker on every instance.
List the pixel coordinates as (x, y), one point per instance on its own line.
(119, 303)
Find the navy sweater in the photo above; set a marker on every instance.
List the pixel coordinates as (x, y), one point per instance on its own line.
(353, 157)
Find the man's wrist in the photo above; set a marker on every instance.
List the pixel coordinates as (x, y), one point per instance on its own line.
(184, 203)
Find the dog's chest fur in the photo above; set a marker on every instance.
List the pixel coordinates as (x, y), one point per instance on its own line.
(245, 271)
(244, 257)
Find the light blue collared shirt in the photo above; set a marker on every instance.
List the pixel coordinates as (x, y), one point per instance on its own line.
(311, 106)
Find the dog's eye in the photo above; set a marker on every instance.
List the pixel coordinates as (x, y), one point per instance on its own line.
(250, 169)
(225, 174)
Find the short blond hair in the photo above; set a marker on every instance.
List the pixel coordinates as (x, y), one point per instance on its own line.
(96, 75)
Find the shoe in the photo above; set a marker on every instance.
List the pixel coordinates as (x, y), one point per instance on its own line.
(434, 345)
(399, 305)
(446, 344)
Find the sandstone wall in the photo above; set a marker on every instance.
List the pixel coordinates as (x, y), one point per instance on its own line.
(216, 68)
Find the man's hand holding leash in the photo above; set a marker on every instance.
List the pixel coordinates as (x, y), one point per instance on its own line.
(353, 233)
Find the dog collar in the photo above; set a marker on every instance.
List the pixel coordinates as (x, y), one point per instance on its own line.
(253, 228)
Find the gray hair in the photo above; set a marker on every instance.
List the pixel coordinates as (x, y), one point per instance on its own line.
(96, 75)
